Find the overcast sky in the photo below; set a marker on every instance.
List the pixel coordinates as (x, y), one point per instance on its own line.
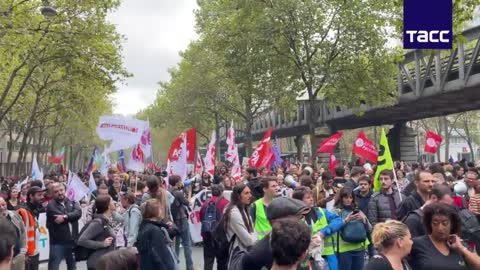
(155, 31)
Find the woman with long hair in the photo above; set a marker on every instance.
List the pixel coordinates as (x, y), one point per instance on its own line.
(99, 235)
(13, 202)
(351, 253)
(393, 241)
(237, 221)
(154, 242)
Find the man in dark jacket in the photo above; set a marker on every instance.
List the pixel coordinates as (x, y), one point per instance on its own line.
(441, 194)
(180, 217)
(424, 182)
(363, 193)
(209, 251)
(62, 224)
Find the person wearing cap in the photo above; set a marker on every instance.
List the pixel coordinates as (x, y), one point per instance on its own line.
(258, 210)
(260, 254)
(29, 216)
(323, 223)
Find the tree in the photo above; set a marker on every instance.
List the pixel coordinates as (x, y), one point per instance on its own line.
(467, 127)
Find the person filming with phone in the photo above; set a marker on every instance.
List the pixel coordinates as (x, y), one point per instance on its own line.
(441, 248)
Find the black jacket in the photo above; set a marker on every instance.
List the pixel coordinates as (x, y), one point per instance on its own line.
(411, 203)
(61, 233)
(414, 223)
(152, 245)
(362, 201)
(179, 206)
(94, 236)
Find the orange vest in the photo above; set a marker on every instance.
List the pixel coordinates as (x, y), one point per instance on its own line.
(29, 222)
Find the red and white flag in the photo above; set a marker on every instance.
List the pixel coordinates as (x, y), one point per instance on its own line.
(198, 165)
(262, 151)
(191, 144)
(210, 156)
(432, 142)
(232, 154)
(327, 145)
(177, 157)
(365, 148)
(137, 159)
(333, 163)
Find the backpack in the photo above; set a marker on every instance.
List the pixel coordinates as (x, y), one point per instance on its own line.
(417, 212)
(210, 218)
(220, 242)
(353, 231)
(82, 253)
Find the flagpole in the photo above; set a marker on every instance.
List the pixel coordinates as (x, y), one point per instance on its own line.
(396, 183)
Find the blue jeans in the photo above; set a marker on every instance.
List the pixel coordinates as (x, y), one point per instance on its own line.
(57, 253)
(186, 243)
(351, 260)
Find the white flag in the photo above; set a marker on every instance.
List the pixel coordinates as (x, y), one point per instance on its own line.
(146, 141)
(20, 184)
(177, 159)
(232, 154)
(199, 165)
(210, 156)
(76, 189)
(36, 172)
(124, 132)
(136, 161)
(105, 164)
(92, 186)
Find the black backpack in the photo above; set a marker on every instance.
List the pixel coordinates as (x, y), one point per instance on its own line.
(220, 242)
(211, 218)
(82, 253)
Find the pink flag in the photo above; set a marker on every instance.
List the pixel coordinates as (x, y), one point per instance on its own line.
(210, 156)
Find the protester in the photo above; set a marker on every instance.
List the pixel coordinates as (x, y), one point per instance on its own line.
(258, 209)
(384, 204)
(156, 191)
(289, 244)
(62, 224)
(474, 203)
(179, 210)
(13, 202)
(7, 243)
(439, 248)
(238, 222)
(153, 239)
(99, 235)
(440, 194)
(324, 195)
(260, 254)
(12, 217)
(131, 218)
(393, 242)
(355, 175)
(339, 180)
(29, 216)
(210, 253)
(351, 250)
(118, 260)
(321, 221)
(424, 182)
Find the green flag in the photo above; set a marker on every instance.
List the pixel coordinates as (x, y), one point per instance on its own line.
(384, 161)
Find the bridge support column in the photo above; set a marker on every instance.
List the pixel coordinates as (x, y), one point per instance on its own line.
(402, 142)
(321, 133)
(299, 145)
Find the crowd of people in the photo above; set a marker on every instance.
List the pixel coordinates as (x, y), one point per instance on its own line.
(422, 217)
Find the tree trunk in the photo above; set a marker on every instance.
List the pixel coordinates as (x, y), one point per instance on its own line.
(248, 126)
(217, 137)
(313, 114)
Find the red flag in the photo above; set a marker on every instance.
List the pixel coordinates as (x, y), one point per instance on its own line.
(198, 165)
(333, 163)
(191, 144)
(365, 148)
(327, 145)
(175, 148)
(262, 151)
(432, 142)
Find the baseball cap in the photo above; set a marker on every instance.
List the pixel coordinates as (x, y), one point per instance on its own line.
(34, 190)
(282, 207)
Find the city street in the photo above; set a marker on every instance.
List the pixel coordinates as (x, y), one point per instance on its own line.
(197, 260)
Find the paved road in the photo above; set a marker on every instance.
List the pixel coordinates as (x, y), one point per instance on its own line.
(197, 261)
